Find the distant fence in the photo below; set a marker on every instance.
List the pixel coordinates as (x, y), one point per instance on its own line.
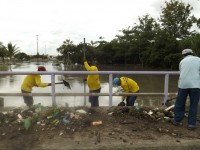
(110, 93)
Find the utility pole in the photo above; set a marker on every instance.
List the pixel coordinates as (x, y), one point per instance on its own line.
(45, 49)
(37, 44)
(37, 49)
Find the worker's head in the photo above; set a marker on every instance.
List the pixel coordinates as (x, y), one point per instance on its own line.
(116, 81)
(41, 68)
(186, 52)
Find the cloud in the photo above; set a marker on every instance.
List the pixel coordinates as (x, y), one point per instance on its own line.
(57, 20)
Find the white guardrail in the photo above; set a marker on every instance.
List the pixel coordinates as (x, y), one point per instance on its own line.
(53, 94)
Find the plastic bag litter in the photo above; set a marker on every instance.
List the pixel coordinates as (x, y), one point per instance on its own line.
(81, 111)
(27, 123)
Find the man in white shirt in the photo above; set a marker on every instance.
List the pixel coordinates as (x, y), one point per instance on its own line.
(188, 84)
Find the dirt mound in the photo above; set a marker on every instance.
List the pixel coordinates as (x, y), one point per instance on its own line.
(48, 127)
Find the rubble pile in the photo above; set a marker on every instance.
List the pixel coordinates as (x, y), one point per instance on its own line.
(70, 120)
(101, 124)
(41, 118)
(54, 116)
(149, 113)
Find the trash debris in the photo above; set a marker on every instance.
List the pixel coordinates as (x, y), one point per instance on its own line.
(125, 109)
(75, 115)
(150, 112)
(3, 134)
(49, 117)
(61, 133)
(65, 121)
(168, 108)
(52, 122)
(38, 107)
(81, 111)
(110, 113)
(27, 123)
(55, 122)
(96, 123)
(167, 118)
(19, 116)
(4, 113)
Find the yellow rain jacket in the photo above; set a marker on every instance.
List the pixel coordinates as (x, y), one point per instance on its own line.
(92, 79)
(32, 80)
(129, 85)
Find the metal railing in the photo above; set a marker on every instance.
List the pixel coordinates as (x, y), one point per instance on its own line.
(110, 93)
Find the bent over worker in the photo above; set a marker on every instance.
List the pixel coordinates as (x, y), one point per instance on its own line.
(129, 86)
(31, 81)
(93, 83)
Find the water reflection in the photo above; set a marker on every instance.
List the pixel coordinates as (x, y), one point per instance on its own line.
(147, 83)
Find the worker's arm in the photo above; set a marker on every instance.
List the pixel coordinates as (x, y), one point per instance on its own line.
(86, 65)
(39, 82)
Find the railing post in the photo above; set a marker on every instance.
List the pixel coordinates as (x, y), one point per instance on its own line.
(84, 84)
(110, 89)
(166, 88)
(53, 89)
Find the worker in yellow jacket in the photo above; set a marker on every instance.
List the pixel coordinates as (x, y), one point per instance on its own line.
(31, 81)
(129, 86)
(93, 83)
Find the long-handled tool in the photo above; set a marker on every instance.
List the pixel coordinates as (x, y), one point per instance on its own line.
(65, 83)
(169, 100)
(84, 80)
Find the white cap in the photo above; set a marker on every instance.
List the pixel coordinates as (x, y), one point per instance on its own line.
(186, 51)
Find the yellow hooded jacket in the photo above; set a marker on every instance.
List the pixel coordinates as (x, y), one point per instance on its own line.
(32, 80)
(92, 79)
(129, 85)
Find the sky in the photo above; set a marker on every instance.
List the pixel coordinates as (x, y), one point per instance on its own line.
(43, 25)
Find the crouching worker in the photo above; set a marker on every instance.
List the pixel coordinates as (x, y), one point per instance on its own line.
(93, 83)
(129, 86)
(31, 81)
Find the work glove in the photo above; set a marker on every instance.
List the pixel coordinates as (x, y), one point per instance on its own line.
(84, 60)
(49, 84)
(121, 104)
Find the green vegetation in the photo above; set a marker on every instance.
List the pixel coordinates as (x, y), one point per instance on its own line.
(150, 42)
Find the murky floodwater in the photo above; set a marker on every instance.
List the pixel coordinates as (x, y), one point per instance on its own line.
(147, 83)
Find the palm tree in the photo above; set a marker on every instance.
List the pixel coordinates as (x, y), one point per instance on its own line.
(3, 52)
(12, 51)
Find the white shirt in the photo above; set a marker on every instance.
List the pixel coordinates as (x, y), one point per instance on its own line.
(189, 72)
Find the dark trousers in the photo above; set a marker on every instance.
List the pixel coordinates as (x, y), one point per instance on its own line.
(94, 100)
(130, 100)
(179, 109)
(28, 100)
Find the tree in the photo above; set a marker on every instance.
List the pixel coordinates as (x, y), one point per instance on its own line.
(107, 53)
(139, 38)
(12, 51)
(67, 49)
(22, 56)
(176, 19)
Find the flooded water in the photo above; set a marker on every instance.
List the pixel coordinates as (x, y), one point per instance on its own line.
(147, 83)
